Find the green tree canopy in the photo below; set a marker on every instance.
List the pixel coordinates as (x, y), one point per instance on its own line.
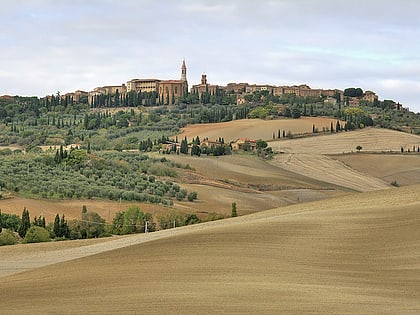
(36, 234)
(353, 92)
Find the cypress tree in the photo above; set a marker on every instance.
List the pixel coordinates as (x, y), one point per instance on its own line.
(234, 212)
(64, 228)
(25, 223)
(184, 146)
(56, 228)
(61, 153)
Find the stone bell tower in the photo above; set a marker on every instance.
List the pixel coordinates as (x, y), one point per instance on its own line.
(184, 71)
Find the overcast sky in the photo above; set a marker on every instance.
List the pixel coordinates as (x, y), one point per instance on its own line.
(64, 45)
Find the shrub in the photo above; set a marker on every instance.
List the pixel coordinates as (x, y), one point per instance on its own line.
(395, 184)
(36, 234)
(7, 237)
(191, 219)
(212, 216)
(170, 220)
(192, 196)
(181, 194)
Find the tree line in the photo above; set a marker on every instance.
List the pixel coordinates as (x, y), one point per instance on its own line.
(90, 225)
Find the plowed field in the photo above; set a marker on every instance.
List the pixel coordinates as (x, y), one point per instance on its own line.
(358, 254)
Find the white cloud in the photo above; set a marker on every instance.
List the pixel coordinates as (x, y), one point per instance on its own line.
(48, 45)
(209, 7)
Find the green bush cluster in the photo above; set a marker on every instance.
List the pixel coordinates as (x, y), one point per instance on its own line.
(36, 234)
(133, 220)
(7, 237)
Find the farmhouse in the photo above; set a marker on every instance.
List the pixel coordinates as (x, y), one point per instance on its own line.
(244, 144)
(211, 143)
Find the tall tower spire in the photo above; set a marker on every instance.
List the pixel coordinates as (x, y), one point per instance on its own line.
(183, 71)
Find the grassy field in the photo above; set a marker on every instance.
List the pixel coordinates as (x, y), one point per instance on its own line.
(357, 254)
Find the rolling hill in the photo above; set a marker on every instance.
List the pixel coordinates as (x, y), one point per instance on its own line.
(321, 231)
(357, 254)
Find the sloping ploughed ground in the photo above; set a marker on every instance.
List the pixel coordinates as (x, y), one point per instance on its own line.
(403, 168)
(359, 254)
(306, 156)
(254, 128)
(324, 168)
(370, 139)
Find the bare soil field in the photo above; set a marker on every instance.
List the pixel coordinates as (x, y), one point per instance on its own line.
(252, 183)
(324, 168)
(307, 156)
(254, 128)
(402, 168)
(357, 254)
(370, 139)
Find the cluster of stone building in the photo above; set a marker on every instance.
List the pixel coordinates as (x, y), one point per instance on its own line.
(168, 92)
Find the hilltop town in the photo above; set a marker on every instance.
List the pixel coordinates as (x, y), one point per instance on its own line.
(170, 92)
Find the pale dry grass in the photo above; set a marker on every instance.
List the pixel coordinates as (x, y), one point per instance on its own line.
(358, 254)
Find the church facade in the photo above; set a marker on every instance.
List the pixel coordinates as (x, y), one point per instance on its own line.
(169, 91)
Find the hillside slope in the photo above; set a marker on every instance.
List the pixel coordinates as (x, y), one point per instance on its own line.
(370, 139)
(307, 156)
(358, 254)
(324, 168)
